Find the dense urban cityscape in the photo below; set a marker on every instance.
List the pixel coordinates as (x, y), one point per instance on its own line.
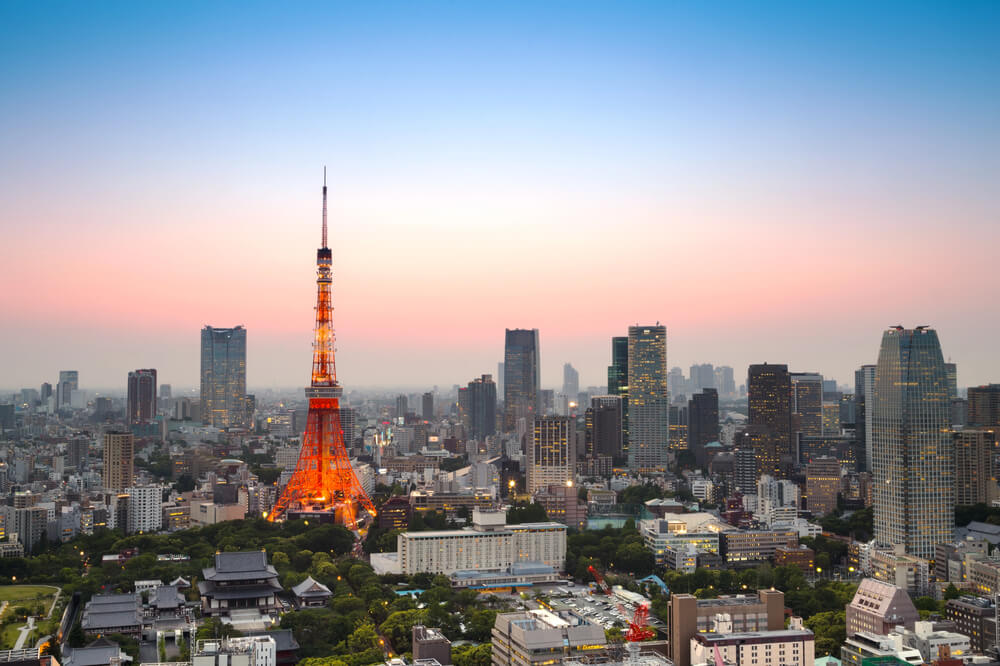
(615, 191)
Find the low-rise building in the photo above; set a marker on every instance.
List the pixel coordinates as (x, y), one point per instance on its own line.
(239, 582)
(310, 594)
(113, 614)
(688, 616)
(878, 607)
(865, 645)
(794, 646)
(902, 570)
(430, 643)
(976, 618)
(541, 637)
(756, 545)
(802, 557)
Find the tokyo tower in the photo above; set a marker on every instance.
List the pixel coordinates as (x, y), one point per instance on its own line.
(324, 485)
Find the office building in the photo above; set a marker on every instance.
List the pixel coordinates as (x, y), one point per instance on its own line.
(69, 381)
(725, 383)
(703, 423)
(914, 474)
(689, 616)
(807, 403)
(877, 607)
(430, 643)
(551, 456)
(571, 381)
(984, 406)
(141, 400)
(769, 397)
(604, 426)
(822, 485)
(119, 457)
(521, 381)
(542, 637)
(951, 372)
(864, 401)
(975, 451)
(482, 405)
(427, 406)
(618, 381)
(224, 377)
(648, 400)
(976, 618)
(402, 407)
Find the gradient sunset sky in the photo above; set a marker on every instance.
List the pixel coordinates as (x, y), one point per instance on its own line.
(773, 181)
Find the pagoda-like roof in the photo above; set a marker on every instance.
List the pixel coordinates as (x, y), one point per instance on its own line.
(240, 566)
(311, 588)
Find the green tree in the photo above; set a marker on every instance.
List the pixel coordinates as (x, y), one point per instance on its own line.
(830, 630)
(472, 655)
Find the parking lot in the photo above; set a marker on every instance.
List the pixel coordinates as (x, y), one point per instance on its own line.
(594, 606)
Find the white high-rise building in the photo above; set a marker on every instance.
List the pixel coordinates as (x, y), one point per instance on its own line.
(913, 475)
(648, 399)
(144, 509)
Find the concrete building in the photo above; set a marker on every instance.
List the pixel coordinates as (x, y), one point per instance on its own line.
(863, 646)
(975, 451)
(145, 513)
(822, 485)
(689, 616)
(975, 617)
(430, 643)
(794, 646)
(540, 637)
(489, 545)
(119, 460)
(878, 607)
(521, 377)
(224, 377)
(551, 458)
(905, 571)
(756, 545)
(648, 399)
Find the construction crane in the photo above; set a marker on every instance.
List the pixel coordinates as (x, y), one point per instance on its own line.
(638, 630)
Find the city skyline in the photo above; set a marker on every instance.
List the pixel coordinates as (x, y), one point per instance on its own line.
(744, 157)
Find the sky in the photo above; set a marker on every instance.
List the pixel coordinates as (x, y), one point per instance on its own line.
(774, 182)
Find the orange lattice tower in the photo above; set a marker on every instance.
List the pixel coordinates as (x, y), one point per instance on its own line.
(324, 482)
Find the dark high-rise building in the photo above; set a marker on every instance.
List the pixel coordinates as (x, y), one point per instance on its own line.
(224, 377)
(141, 403)
(428, 406)
(703, 423)
(571, 382)
(45, 393)
(864, 396)
(618, 381)
(807, 403)
(648, 399)
(482, 406)
(604, 426)
(522, 379)
(951, 371)
(401, 406)
(984, 406)
(769, 396)
(914, 471)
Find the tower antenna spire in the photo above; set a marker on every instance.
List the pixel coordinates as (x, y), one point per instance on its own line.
(324, 206)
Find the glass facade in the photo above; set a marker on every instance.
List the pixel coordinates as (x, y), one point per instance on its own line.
(648, 399)
(914, 474)
(521, 381)
(224, 377)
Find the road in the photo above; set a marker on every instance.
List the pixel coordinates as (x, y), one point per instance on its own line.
(25, 630)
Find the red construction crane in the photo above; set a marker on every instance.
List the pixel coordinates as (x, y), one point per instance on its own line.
(638, 630)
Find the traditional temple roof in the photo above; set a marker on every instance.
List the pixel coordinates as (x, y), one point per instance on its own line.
(310, 588)
(240, 566)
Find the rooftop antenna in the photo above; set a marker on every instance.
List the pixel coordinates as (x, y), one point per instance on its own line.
(324, 206)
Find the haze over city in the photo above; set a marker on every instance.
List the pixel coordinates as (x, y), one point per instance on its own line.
(773, 183)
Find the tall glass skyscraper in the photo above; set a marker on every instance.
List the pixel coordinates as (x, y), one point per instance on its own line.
(224, 377)
(913, 475)
(521, 381)
(648, 399)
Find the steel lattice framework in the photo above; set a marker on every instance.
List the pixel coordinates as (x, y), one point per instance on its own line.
(324, 479)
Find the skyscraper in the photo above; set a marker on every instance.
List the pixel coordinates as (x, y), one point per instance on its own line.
(702, 377)
(703, 423)
(571, 382)
(975, 452)
(551, 453)
(427, 406)
(864, 397)
(984, 406)
(822, 485)
(521, 381)
(402, 406)
(482, 406)
(605, 426)
(648, 399)
(807, 403)
(119, 454)
(69, 381)
(141, 402)
(951, 371)
(223, 376)
(618, 381)
(769, 397)
(914, 473)
(724, 381)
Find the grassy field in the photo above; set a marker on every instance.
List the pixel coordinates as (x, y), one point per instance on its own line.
(36, 598)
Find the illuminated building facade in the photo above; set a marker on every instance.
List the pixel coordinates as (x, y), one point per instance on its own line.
(551, 456)
(648, 399)
(618, 381)
(984, 406)
(769, 396)
(914, 472)
(521, 381)
(141, 402)
(119, 456)
(223, 377)
(807, 403)
(975, 466)
(822, 485)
